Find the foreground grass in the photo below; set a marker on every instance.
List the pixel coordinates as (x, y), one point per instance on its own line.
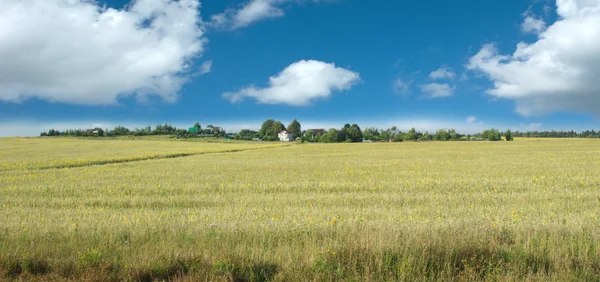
(411, 211)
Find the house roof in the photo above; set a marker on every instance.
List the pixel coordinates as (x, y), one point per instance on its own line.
(284, 131)
(317, 131)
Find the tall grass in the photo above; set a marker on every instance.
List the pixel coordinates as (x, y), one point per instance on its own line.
(62, 152)
(412, 211)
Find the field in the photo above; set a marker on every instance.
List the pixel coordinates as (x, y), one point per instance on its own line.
(142, 210)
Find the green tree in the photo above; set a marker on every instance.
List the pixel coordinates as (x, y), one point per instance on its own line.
(397, 138)
(371, 133)
(340, 136)
(453, 135)
(498, 136)
(491, 135)
(354, 133)
(266, 128)
(275, 129)
(441, 135)
(427, 136)
(309, 135)
(197, 125)
(508, 135)
(411, 135)
(331, 136)
(295, 128)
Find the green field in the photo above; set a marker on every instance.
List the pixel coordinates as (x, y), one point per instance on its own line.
(142, 210)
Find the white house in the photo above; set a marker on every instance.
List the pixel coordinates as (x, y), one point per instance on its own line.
(285, 136)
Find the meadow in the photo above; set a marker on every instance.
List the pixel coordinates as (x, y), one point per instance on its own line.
(134, 210)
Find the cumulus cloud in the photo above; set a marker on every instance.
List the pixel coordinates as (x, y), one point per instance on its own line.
(299, 84)
(442, 73)
(402, 86)
(437, 90)
(78, 52)
(558, 72)
(532, 24)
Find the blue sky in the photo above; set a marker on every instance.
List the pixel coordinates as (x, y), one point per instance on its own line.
(430, 64)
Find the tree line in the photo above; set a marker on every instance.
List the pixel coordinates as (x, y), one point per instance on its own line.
(271, 128)
(558, 134)
(161, 129)
(352, 133)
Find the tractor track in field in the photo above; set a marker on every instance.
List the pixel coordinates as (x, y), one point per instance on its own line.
(140, 159)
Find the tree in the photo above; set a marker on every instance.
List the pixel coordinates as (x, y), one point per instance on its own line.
(181, 132)
(453, 135)
(218, 132)
(331, 136)
(198, 125)
(427, 136)
(371, 133)
(120, 130)
(508, 135)
(246, 134)
(309, 135)
(340, 136)
(275, 129)
(354, 133)
(411, 135)
(385, 135)
(397, 138)
(492, 135)
(295, 128)
(266, 127)
(441, 135)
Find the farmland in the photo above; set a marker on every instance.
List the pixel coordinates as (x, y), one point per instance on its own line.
(75, 209)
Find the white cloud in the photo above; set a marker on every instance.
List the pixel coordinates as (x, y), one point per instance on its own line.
(532, 24)
(206, 67)
(251, 12)
(437, 90)
(299, 84)
(558, 72)
(442, 73)
(402, 86)
(473, 120)
(78, 52)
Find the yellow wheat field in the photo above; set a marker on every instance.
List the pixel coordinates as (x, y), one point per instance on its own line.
(523, 210)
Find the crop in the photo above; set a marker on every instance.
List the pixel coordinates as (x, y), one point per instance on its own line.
(523, 210)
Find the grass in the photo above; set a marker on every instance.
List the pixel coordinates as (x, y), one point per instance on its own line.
(58, 152)
(524, 210)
